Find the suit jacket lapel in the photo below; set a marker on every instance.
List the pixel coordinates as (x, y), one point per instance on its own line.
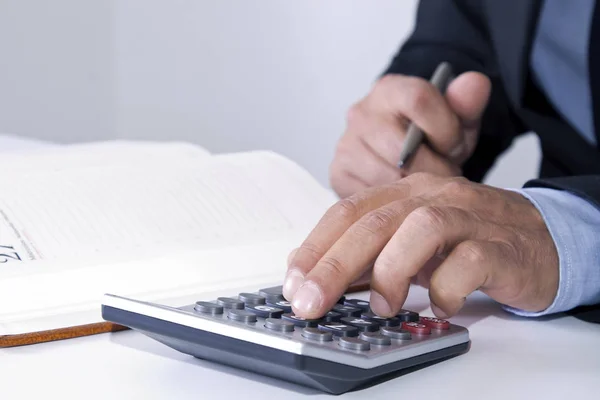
(513, 44)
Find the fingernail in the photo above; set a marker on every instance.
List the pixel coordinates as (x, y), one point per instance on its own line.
(379, 305)
(438, 312)
(307, 299)
(293, 281)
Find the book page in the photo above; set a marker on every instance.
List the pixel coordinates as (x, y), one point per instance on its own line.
(118, 212)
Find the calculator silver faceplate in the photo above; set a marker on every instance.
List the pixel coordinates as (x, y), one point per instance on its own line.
(294, 342)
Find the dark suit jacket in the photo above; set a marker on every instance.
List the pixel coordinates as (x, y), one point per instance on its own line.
(495, 37)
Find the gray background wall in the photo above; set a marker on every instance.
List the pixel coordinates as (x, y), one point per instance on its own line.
(230, 75)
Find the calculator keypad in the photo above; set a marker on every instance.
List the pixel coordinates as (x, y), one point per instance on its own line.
(350, 322)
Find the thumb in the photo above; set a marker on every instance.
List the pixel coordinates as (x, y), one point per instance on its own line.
(468, 97)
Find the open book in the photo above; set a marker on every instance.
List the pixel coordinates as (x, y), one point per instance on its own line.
(165, 222)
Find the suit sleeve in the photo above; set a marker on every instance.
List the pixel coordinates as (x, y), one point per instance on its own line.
(455, 31)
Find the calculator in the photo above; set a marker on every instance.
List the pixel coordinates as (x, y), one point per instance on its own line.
(347, 348)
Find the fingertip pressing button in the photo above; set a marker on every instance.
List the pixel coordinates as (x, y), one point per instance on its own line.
(299, 321)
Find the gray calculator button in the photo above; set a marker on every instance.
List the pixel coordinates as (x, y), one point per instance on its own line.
(370, 316)
(241, 315)
(264, 311)
(395, 333)
(362, 304)
(285, 305)
(408, 316)
(251, 298)
(272, 294)
(347, 311)
(299, 321)
(228, 302)
(279, 325)
(353, 343)
(375, 338)
(317, 335)
(362, 324)
(208, 308)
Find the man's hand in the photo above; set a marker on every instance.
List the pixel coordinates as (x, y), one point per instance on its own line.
(452, 235)
(367, 154)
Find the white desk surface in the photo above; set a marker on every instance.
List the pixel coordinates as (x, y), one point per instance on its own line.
(510, 358)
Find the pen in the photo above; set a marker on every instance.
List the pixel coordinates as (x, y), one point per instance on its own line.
(441, 78)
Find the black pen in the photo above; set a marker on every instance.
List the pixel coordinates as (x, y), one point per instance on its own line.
(441, 78)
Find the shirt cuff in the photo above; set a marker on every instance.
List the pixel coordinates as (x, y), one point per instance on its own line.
(574, 225)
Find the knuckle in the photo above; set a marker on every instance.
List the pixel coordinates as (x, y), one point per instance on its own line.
(379, 221)
(346, 209)
(419, 97)
(472, 252)
(332, 268)
(419, 177)
(431, 218)
(456, 186)
(355, 113)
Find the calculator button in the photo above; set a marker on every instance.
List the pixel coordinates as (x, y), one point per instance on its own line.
(341, 300)
(228, 302)
(362, 304)
(415, 327)
(279, 325)
(241, 315)
(395, 333)
(435, 323)
(375, 338)
(370, 316)
(338, 329)
(408, 316)
(347, 311)
(362, 324)
(353, 343)
(251, 298)
(272, 294)
(299, 321)
(285, 305)
(265, 311)
(317, 335)
(332, 316)
(208, 308)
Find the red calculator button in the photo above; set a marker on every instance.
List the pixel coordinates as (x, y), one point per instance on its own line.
(416, 328)
(435, 323)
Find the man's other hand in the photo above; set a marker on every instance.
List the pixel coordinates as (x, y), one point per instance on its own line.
(367, 154)
(448, 234)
